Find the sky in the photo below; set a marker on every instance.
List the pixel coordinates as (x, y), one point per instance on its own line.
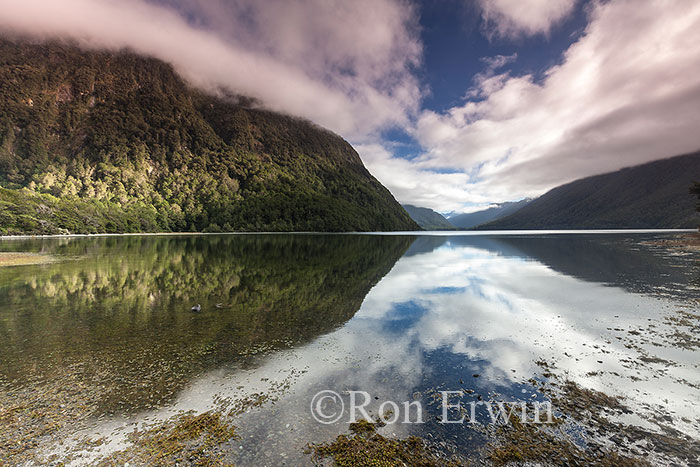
(452, 104)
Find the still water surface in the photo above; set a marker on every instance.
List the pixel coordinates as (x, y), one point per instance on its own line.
(401, 317)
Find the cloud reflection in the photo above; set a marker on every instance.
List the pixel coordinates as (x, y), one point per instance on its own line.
(454, 308)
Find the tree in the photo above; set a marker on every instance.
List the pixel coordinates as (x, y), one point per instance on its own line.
(695, 189)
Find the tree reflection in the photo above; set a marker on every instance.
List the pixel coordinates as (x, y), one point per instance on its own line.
(117, 309)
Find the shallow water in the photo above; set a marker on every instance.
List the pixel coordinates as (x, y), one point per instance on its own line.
(401, 317)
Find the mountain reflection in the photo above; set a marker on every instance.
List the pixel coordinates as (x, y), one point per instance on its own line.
(456, 307)
(401, 317)
(118, 309)
(629, 262)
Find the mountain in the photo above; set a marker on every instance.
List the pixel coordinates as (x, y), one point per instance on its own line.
(427, 218)
(96, 142)
(652, 195)
(472, 219)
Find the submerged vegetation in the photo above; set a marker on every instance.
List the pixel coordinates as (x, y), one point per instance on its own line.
(579, 436)
(524, 443)
(95, 142)
(597, 413)
(119, 313)
(588, 429)
(109, 336)
(34, 413)
(364, 447)
(187, 439)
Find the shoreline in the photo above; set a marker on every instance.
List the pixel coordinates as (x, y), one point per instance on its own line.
(435, 233)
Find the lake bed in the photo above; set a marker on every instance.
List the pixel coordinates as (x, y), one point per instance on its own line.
(103, 341)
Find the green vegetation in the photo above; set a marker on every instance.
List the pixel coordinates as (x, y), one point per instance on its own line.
(187, 439)
(427, 218)
(78, 333)
(652, 195)
(520, 443)
(95, 142)
(364, 447)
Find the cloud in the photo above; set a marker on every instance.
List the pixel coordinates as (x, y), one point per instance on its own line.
(488, 80)
(627, 92)
(412, 183)
(515, 18)
(498, 61)
(345, 65)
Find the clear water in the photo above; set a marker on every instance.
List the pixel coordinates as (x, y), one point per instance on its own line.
(400, 317)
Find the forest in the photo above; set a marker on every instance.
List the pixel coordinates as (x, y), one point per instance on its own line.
(107, 142)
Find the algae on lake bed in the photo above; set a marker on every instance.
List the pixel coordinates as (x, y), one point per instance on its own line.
(364, 447)
(190, 439)
(612, 346)
(37, 413)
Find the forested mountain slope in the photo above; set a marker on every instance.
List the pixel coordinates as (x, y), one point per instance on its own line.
(427, 218)
(652, 195)
(114, 142)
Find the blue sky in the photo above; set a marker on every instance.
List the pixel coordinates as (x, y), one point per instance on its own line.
(455, 48)
(451, 104)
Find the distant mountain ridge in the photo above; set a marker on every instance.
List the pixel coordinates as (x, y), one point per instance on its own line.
(647, 196)
(472, 219)
(428, 219)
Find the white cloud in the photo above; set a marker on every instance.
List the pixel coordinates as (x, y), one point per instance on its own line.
(413, 184)
(515, 18)
(344, 65)
(627, 92)
(488, 80)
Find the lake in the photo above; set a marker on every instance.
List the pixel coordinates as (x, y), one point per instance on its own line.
(102, 340)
